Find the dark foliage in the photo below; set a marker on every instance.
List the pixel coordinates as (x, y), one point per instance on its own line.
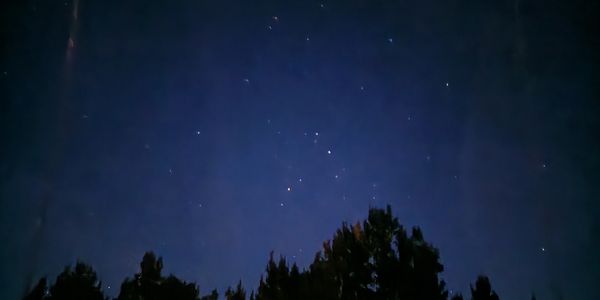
(457, 297)
(376, 260)
(238, 294)
(38, 291)
(149, 284)
(483, 290)
(80, 283)
(212, 296)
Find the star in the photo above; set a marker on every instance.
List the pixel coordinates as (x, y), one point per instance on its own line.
(390, 40)
(299, 179)
(328, 151)
(316, 133)
(289, 189)
(447, 84)
(198, 132)
(246, 80)
(281, 204)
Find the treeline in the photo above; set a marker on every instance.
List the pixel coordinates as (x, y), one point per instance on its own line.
(377, 260)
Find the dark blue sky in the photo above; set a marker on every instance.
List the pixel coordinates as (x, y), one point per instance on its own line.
(213, 132)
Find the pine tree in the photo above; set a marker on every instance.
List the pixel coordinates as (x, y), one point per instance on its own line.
(39, 291)
(483, 290)
(149, 284)
(80, 283)
(212, 296)
(238, 294)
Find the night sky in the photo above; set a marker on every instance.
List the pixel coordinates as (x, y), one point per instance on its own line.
(214, 132)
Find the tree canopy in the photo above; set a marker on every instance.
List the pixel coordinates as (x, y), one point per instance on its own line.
(377, 259)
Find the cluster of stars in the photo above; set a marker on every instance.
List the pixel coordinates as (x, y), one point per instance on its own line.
(316, 134)
(328, 152)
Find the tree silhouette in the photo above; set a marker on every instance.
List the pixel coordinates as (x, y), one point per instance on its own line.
(238, 294)
(80, 283)
(376, 259)
(149, 284)
(39, 291)
(212, 296)
(378, 262)
(280, 282)
(457, 296)
(342, 271)
(483, 290)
